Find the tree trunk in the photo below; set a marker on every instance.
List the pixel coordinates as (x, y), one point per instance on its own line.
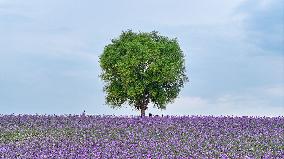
(144, 103)
(143, 112)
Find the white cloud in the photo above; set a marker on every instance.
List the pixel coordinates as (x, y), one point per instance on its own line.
(184, 12)
(276, 91)
(184, 104)
(190, 101)
(265, 4)
(246, 105)
(263, 25)
(227, 104)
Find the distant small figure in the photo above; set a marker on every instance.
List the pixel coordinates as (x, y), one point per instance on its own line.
(162, 115)
(156, 115)
(84, 113)
(150, 115)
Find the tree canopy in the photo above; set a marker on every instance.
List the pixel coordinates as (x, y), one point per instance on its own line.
(139, 68)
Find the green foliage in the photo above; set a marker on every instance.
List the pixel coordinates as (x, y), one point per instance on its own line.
(139, 68)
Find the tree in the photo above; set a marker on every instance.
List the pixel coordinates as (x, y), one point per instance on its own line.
(139, 68)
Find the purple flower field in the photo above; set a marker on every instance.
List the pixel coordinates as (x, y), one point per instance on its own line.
(84, 136)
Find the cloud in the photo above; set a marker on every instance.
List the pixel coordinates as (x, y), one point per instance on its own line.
(227, 104)
(254, 101)
(277, 91)
(264, 25)
(183, 12)
(185, 103)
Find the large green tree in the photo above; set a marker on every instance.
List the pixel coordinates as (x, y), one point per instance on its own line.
(139, 68)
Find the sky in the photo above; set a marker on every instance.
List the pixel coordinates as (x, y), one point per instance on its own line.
(234, 54)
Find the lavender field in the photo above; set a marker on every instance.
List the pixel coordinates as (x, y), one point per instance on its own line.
(84, 136)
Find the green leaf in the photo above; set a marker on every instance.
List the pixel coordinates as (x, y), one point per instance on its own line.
(141, 66)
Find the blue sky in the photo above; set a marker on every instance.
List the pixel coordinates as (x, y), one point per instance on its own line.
(234, 54)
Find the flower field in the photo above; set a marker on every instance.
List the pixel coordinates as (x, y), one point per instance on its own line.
(85, 136)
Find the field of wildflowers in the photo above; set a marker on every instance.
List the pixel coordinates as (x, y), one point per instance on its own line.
(86, 136)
